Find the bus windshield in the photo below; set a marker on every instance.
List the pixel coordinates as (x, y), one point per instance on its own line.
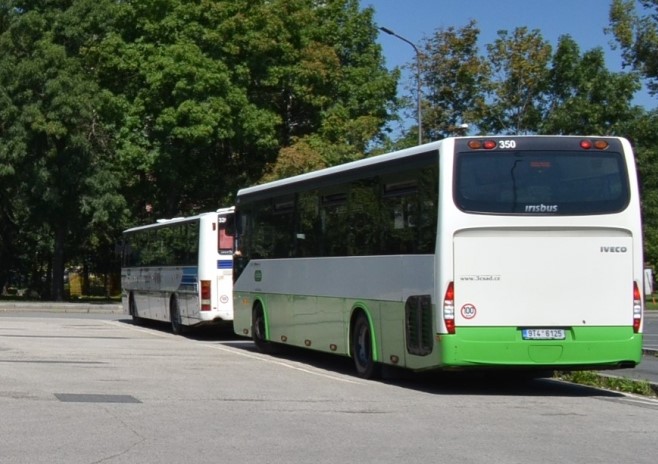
(541, 182)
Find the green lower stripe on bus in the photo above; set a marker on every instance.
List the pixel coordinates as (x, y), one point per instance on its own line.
(499, 346)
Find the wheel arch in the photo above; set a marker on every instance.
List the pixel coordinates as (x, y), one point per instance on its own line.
(360, 308)
(260, 303)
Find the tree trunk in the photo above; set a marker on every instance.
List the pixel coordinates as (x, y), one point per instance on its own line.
(57, 284)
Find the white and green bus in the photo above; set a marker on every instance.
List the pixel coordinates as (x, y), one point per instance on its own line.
(180, 270)
(470, 252)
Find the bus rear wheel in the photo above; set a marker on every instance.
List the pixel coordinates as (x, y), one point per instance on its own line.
(132, 309)
(362, 353)
(174, 314)
(258, 331)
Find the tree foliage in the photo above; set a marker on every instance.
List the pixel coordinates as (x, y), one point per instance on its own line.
(115, 113)
(637, 35)
(518, 85)
(455, 79)
(522, 85)
(645, 138)
(584, 97)
(635, 28)
(55, 140)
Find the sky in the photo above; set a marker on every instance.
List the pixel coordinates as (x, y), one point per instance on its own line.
(584, 20)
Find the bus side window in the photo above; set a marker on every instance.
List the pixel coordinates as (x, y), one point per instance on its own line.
(307, 231)
(399, 215)
(334, 224)
(409, 211)
(364, 211)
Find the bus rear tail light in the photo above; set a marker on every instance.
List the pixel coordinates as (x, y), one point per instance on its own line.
(597, 144)
(449, 308)
(482, 144)
(205, 295)
(637, 308)
(600, 144)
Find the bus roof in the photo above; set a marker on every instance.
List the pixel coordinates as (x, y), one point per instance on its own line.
(312, 179)
(356, 169)
(178, 220)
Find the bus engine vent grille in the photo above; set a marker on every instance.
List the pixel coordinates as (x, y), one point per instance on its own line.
(418, 315)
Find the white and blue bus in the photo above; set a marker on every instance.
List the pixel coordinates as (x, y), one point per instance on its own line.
(180, 270)
(470, 252)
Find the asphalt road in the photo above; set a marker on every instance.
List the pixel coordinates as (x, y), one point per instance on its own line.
(93, 387)
(647, 370)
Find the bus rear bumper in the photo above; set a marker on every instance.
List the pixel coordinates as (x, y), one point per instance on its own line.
(583, 347)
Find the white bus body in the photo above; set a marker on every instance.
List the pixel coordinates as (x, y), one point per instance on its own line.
(180, 270)
(518, 252)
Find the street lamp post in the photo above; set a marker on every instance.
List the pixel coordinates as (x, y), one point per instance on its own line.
(418, 89)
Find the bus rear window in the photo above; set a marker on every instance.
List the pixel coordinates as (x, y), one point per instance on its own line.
(224, 241)
(541, 182)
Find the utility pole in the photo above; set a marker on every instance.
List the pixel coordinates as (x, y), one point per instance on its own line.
(418, 88)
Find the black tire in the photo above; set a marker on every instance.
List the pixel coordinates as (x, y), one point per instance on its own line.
(132, 309)
(177, 326)
(361, 345)
(258, 331)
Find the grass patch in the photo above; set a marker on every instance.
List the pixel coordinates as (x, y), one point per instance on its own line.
(649, 305)
(651, 302)
(595, 379)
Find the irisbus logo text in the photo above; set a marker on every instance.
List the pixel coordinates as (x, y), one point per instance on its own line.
(613, 249)
(541, 208)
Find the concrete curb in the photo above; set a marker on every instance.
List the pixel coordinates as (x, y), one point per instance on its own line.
(58, 307)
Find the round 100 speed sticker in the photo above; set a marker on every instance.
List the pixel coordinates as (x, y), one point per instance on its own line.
(469, 311)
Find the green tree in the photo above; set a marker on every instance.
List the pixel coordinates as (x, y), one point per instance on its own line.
(636, 32)
(518, 83)
(212, 91)
(637, 36)
(584, 97)
(109, 107)
(644, 136)
(56, 142)
(331, 89)
(186, 124)
(455, 79)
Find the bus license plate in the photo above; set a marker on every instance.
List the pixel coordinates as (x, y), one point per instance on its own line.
(543, 334)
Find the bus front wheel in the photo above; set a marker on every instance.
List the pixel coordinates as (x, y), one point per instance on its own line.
(362, 353)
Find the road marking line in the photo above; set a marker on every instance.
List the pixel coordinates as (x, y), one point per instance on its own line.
(236, 351)
(140, 329)
(266, 359)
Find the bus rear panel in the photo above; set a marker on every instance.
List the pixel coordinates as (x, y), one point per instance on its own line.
(546, 255)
